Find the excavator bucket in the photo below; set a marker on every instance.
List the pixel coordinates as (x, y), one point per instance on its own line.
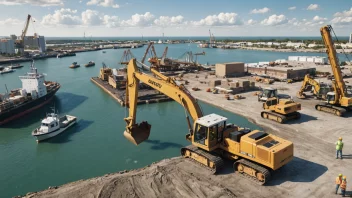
(138, 133)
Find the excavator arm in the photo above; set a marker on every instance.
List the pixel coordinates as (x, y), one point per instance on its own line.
(137, 133)
(308, 81)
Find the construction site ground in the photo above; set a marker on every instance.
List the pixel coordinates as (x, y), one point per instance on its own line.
(311, 173)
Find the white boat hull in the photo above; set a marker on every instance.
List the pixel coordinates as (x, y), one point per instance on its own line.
(42, 137)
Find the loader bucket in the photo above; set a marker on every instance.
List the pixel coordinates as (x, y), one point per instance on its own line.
(138, 133)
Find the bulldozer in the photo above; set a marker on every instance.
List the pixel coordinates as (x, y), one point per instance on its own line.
(281, 110)
(213, 138)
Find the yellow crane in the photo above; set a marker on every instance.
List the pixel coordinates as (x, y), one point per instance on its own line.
(337, 101)
(255, 152)
(20, 42)
(154, 59)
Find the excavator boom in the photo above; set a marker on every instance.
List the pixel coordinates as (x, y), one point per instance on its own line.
(137, 133)
(334, 61)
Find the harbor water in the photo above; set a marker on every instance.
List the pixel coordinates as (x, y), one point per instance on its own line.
(95, 145)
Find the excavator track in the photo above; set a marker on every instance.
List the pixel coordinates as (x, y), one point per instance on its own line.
(278, 117)
(252, 171)
(338, 111)
(211, 162)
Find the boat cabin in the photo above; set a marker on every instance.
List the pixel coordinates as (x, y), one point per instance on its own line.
(50, 123)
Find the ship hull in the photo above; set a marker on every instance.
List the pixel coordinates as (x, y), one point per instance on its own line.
(26, 108)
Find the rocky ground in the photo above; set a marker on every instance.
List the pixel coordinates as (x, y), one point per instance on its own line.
(311, 173)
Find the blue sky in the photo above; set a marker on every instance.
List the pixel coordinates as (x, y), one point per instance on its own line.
(176, 18)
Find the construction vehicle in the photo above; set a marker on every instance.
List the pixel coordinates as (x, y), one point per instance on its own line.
(280, 109)
(267, 93)
(255, 152)
(319, 90)
(337, 101)
(264, 79)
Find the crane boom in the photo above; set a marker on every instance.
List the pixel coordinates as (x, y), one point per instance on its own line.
(165, 52)
(166, 85)
(24, 31)
(334, 61)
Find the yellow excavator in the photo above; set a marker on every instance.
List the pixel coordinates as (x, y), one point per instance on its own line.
(256, 153)
(337, 101)
(280, 109)
(319, 90)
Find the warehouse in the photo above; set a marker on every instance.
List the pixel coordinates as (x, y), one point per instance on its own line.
(234, 69)
(282, 73)
(311, 59)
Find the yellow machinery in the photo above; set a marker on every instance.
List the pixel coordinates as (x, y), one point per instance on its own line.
(104, 73)
(264, 80)
(281, 110)
(337, 101)
(267, 93)
(318, 89)
(255, 152)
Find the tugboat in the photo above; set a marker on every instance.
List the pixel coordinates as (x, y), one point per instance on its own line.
(53, 125)
(74, 65)
(35, 93)
(90, 63)
(6, 70)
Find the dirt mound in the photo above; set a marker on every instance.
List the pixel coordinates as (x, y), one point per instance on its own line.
(167, 178)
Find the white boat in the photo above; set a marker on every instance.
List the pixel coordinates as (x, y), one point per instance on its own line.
(53, 125)
(6, 70)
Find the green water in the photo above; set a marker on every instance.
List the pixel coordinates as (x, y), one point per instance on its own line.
(95, 145)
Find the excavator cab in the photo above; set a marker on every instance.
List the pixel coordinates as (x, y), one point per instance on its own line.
(266, 94)
(330, 97)
(209, 131)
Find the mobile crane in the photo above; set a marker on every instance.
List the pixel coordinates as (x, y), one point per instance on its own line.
(337, 101)
(256, 153)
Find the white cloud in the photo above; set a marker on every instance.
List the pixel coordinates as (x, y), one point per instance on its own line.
(91, 17)
(292, 8)
(111, 21)
(43, 3)
(274, 20)
(343, 18)
(260, 11)
(165, 21)
(62, 16)
(251, 22)
(11, 21)
(345, 13)
(313, 7)
(139, 20)
(318, 18)
(103, 3)
(222, 19)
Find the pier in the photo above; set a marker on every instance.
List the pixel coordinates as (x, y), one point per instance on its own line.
(145, 96)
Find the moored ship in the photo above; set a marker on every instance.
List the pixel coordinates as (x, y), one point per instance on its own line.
(35, 93)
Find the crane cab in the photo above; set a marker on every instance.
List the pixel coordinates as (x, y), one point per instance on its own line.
(208, 131)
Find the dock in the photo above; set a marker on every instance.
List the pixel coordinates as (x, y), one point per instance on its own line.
(145, 96)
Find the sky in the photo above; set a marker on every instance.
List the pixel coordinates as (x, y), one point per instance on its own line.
(116, 18)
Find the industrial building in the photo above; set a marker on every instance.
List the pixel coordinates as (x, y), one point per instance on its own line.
(282, 73)
(234, 69)
(7, 46)
(311, 59)
(35, 42)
